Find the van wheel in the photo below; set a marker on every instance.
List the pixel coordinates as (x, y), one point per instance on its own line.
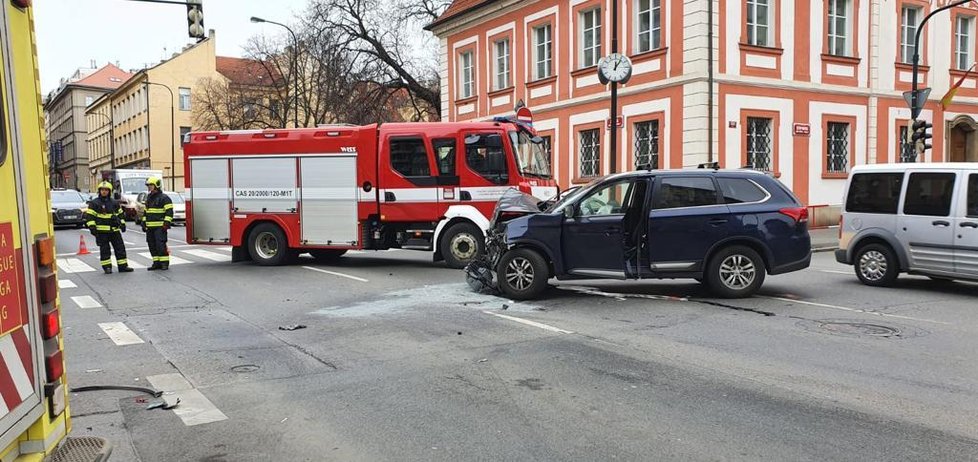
(736, 272)
(327, 255)
(269, 247)
(461, 243)
(876, 265)
(522, 274)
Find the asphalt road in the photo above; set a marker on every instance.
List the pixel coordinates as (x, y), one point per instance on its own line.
(400, 361)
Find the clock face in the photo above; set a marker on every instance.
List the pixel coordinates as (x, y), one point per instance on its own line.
(616, 67)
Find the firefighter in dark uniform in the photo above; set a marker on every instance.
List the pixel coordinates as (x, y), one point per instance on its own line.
(106, 221)
(156, 223)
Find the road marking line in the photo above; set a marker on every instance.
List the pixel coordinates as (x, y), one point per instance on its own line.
(208, 255)
(336, 274)
(120, 334)
(847, 273)
(194, 408)
(854, 310)
(135, 264)
(530, 323)
(173, 259)
(128, 243)
(66, 284)
(74, 265)
(86, 301)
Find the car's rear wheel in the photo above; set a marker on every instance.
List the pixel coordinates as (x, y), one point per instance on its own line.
(735, 272)
(876, 265)
(522, 274)
(268, 245)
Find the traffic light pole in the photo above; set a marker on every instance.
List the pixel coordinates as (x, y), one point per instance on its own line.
(915, 105)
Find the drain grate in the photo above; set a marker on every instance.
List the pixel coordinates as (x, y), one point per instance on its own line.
(860, 328)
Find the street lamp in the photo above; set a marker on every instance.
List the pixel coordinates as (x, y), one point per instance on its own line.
(173, 128)
(295, 62)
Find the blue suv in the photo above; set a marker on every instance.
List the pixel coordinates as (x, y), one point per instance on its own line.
(727, 228)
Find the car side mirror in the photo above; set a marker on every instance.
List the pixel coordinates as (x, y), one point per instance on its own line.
(569, 212)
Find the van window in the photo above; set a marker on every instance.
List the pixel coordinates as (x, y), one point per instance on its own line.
(409, 157)
(740, 190)
(973, 195)
(874, 193)
(445, 152)
(929, 194)
(684, 192)
(484, 155)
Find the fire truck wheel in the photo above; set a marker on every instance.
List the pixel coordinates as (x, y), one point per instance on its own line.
(327, 255)
(461, 243)
(268, 245)
(522, 274)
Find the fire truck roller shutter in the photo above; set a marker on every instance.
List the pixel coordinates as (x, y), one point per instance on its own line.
(264, 185)
(329, 200)
(210, 196)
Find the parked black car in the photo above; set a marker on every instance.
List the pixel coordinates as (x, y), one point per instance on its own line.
(68, 207)
(727, 228)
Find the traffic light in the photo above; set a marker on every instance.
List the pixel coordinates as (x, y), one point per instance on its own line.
(195, 19)
(920, 137)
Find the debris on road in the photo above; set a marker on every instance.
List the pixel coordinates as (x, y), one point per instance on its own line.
(505, 306)
(283, 420)
(93, 370)
(166, 404)
(148, 391)
(292, 327)
(483, 360)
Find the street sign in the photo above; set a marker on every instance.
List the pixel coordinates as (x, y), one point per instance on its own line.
(922, 95)
(619, 122)
(803, 129)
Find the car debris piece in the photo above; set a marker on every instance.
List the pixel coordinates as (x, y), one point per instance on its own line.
(292, 327)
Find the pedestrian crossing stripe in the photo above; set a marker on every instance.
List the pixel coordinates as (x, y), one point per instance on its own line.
(73, 265)
(173, 259)
(135, 264)
(206, 254)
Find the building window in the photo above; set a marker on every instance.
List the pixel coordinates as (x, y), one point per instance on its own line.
(837, 147)
(543, 51)
(962, 42)
(647, 145)
(590, 153)
(648, 25)
(590, 37)
(909, 20)
(89, 100)
(758, 22)
(759, 146)
(184, 131)
(184, 99)
(466, 82)
(838, 34)
(502, 64)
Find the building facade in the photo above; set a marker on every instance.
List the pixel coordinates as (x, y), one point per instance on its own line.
(66, 125)
(806, 89)
(149, 114)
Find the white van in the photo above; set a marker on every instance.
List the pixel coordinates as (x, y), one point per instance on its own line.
(911, 218)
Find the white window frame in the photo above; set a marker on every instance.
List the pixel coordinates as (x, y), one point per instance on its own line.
(653, 33)
(833, 35)
(502, 76)
(964, 56)
(543, 51)
(466, 74)
(594, 32)
(185, 101)
(753, 24)
(907, 32)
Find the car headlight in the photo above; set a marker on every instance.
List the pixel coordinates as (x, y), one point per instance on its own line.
(84, 208)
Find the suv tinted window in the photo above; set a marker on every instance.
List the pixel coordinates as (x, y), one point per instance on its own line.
(409, 157)
(973, 195)
(740, 190)
(874, 193)
(929, 194)
(684, 192)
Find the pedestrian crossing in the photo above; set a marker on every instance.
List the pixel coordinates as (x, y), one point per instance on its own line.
(142, 260)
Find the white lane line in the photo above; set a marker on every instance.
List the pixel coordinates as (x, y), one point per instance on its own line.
(128, 243)
(66, 284)
(336, 274)
(173, 259)
(135, 264)
(74, 265)
(854, 310)
(208, 255)
(119, 333)
(86, 301)
(194, 408)
(530, 323)
(847, 273)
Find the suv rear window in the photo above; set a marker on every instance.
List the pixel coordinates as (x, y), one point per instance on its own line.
(740, 190)
(684, 192)
(874, 193)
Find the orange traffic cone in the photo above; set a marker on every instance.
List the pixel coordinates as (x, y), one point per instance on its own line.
(82, 248)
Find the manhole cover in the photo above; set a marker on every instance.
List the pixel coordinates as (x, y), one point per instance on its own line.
(243, 368)
(862, 328)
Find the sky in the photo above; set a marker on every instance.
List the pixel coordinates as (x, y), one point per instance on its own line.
(72, 33)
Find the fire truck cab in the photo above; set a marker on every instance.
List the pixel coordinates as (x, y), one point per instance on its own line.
(274, 194)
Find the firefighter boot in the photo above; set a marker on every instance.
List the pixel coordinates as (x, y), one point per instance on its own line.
(125, 269)
(107, 269)
(165, 265)
(156, 266)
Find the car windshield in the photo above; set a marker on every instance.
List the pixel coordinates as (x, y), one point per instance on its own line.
(176, 198)
(66, 197)
(133, 185)
(569, 196)
(531, 158)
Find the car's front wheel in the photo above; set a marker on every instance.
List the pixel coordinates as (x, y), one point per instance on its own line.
(876, 265)
(522, 274)
(736, 272)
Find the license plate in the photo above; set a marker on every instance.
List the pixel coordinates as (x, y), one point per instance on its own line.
(71, 217)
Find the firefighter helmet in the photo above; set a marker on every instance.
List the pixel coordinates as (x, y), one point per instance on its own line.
(105, 185)
(154, 181)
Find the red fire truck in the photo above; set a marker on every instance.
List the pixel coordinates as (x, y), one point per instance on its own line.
(273, 194)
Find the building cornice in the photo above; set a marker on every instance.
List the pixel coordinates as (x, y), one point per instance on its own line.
(480, 13)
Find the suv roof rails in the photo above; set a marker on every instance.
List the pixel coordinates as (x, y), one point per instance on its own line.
(713, 165)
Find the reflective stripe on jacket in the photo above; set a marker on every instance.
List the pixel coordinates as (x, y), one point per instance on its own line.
(104, 214)
(159, 210)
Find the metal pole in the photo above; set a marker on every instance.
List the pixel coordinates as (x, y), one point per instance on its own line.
(709, 81)
(914, 110)
(173, 128)
(613, 157)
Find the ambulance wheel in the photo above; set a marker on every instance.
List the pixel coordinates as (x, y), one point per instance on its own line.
(268, 246)
(327, 255)
(461, 243)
